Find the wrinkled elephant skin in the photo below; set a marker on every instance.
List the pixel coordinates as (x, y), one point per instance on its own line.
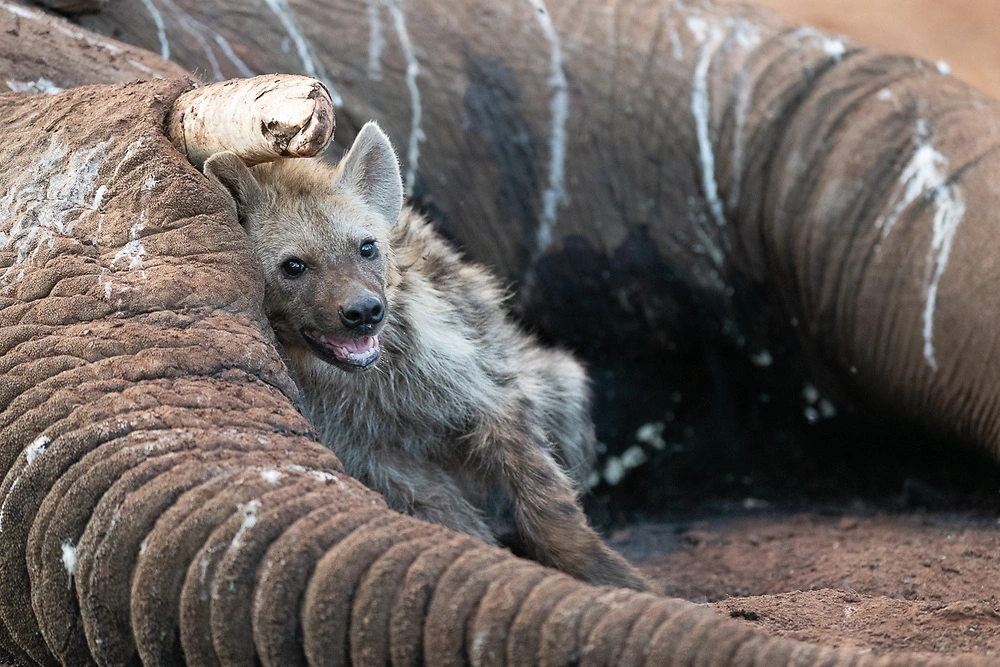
(164, 501)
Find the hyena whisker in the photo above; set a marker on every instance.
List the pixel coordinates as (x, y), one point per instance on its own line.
(466, 415)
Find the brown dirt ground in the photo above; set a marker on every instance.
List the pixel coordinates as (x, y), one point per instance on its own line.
(864, 580)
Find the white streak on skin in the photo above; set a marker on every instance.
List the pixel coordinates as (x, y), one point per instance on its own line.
(132, 149)
(40, 86)
(376, 42)
(149, 184)
(416, 110)
(926, 177)
(147, 70)
(284, 14)
(555, 194)
(700, 109)
(271, 476)
(698, 27)
(241, 66)
(675, 41)
(696, 208)
(249, 521)
(107, 285)
(133, 250)
(36, 448)
(831, 46)
(190, 26)
(99, 198)
(744, 95)
(51, 198)
(161, 29)
(193, 25)
(69, 556)
(943, 67)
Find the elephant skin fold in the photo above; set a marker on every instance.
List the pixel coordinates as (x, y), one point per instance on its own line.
(671, 173)
(164, 501)
(139, 368)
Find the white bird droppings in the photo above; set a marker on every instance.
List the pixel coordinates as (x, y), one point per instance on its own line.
(834, 48)
(36, 448)
(271, 476)
(249, 521)
(69, 556)
(99, 198)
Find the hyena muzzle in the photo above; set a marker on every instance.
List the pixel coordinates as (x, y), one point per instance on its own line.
(410, 368)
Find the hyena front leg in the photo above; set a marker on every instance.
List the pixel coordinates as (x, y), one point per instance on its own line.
(548, 519)
(415, 486)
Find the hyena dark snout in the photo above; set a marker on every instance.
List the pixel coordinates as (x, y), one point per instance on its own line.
(349, 314)
(362, 311)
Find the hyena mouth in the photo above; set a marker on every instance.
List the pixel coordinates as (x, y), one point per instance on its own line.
(354, 354)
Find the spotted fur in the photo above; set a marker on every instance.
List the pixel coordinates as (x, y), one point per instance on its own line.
(465, 420)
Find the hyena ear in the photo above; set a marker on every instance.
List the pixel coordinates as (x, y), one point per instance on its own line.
(371, 170)
(229, 171)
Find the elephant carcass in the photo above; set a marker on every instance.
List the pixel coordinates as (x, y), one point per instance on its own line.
(40, 53)
(650, 171)
(162, 498)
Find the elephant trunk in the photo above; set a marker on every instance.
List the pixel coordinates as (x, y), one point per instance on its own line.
(858, 190)
(163, 501)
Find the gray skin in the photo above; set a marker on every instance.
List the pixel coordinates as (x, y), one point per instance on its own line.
(179, 371)
(798, 187)
(162, 499)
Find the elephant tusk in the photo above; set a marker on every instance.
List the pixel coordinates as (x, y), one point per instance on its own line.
(260, 119)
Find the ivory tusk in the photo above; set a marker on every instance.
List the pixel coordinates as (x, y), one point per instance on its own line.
(260, 119)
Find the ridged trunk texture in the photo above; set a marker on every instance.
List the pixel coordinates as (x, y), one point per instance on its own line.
(164, 502)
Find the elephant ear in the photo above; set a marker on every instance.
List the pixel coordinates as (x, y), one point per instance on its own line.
(228, 171)
(371, 171)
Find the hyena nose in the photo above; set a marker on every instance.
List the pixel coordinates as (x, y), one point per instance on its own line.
(365, 311)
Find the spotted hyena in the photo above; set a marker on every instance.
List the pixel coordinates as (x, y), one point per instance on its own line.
(411, 370)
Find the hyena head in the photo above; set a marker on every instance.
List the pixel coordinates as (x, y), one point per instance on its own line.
(322, 235)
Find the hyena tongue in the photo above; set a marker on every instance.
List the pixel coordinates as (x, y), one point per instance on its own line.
(358, 351)
(360, 345)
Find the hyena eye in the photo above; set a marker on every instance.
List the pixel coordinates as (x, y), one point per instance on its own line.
(293, 268)
(368, 249)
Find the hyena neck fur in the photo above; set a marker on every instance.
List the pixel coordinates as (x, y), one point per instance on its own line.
(409, 367)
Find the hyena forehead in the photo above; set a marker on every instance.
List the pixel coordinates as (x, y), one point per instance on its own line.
(307, 200)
